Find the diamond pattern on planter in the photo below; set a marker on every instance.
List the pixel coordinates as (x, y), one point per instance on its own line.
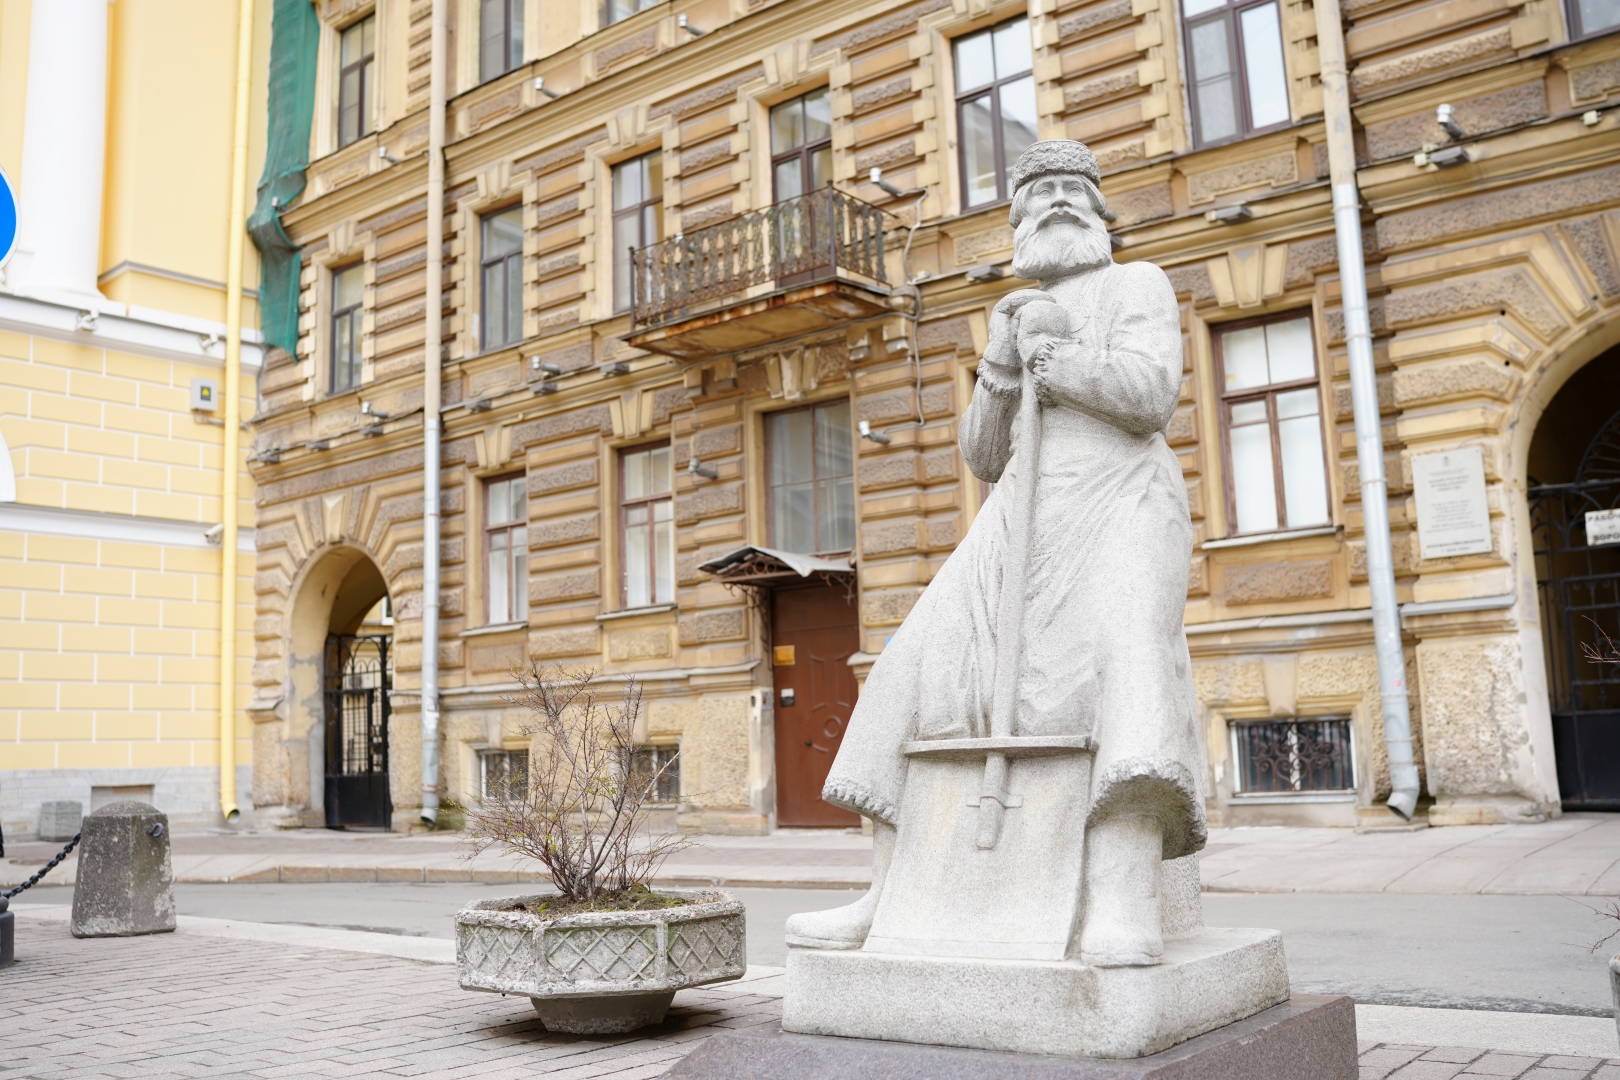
(695, 947)
(603, 954)
(496, 952)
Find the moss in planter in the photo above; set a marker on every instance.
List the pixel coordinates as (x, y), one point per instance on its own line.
(635, 898)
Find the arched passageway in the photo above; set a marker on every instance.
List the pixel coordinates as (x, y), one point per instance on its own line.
(1574, 503)
(340, 676)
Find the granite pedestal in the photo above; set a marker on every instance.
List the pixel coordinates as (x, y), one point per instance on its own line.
(1209, 978)
(1308, 1037)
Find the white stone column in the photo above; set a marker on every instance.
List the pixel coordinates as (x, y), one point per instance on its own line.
(64, 155)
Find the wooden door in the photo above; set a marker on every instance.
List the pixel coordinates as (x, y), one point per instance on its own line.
(813, 635)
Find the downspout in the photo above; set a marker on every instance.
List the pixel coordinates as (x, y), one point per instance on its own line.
(233, 416)
(1364, 400)
(430, 417)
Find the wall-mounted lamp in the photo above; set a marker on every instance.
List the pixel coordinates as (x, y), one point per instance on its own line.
(1442, 116)
(696, 468)
(617, 367)
(540, 85)
(536, 364)
(1591, 117)
(477, 405)
(876, 176)
(680, 21)
(270, 456)
(986, 273)
(1229, 215)
(382, 152)
(1443, 158)
(865, 428)
(368, 409)
(317, 444)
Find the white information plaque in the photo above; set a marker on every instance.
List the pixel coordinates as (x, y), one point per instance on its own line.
(1453, 517)
(1602, 527)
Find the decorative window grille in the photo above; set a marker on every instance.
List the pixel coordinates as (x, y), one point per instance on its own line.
(348, 297)
(506, 544)
(811, 468)
(503, 774)
(500, 32)
(501, 282)
(995, 107)
(357, 79)
(1235, 61)
(1284, 757)
(1271, 418)
(649, 527)
(665, 762)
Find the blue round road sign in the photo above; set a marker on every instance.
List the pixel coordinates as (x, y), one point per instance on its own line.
(8, 217)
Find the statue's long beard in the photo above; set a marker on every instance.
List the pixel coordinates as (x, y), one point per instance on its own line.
(1043, 254)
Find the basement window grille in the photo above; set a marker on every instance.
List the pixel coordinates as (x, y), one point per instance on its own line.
(1283, 757)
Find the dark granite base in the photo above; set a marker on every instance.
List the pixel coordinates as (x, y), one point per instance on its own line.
(1312, 1037)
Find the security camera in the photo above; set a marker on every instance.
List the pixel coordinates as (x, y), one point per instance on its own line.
(215, 534)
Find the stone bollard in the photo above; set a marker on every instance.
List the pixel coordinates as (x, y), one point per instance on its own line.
(59, 820)
(125, 881)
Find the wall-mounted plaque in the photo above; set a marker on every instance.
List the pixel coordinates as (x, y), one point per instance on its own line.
(1453, 517)
(1602, 527)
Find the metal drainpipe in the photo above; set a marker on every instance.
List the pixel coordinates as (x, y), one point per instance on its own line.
(1364, 399)
(229, 466)
(430, 417)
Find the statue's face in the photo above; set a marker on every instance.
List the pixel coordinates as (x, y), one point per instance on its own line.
(1059, 230)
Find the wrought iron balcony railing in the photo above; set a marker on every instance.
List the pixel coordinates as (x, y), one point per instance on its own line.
(799, 240)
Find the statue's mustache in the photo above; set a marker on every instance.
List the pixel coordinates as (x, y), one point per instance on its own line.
(1060, 214)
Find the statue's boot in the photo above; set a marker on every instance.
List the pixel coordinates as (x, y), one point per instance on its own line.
(1122, 927)
(846, 927)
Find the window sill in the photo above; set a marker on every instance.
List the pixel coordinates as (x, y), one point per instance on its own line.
(1274, 798)
(1267, 538)
(630, 613)
(498, 628)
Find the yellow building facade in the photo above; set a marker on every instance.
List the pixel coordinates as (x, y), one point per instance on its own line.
(689, 438)
(116, 134)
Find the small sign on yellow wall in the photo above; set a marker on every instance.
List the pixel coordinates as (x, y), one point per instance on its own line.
(782, 656)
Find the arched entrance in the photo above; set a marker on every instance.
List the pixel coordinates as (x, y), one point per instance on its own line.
(340, 676)
(1574, 485)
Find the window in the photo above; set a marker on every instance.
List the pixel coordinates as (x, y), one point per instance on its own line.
(648, 517)
(615, 10)
(500, 37)
(348, 295)
(801, 145)
(1277, 473)
(1592, 16)
(638, 198)
(357, 77)
(501, 281)
(995, 107)
(1235, 61)
(506, 547)
(810, 460)
(503, 775)
(1288, 756)
(664, 762)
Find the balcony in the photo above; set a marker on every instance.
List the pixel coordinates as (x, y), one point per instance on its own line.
(805, 264)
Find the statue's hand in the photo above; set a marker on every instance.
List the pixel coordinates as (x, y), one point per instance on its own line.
(999, 370)
(1014, 302)
(1042, 325)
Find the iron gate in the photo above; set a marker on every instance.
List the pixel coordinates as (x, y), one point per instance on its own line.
(358, 679)
(1579, 589)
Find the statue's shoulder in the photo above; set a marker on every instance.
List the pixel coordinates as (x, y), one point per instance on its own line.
(1143, 283)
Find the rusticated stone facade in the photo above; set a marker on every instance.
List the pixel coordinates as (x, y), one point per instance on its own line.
(1491, 284)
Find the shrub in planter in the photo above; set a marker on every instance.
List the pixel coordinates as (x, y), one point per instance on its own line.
(603, 952)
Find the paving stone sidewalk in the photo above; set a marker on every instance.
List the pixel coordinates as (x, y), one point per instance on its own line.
(182, 1005)
(1575, 855)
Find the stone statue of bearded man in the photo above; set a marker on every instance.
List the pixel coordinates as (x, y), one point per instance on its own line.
(1104, 652)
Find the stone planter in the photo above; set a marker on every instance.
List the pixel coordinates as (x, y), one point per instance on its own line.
(608, 971)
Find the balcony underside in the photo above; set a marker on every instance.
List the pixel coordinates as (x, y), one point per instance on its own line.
(777, 316)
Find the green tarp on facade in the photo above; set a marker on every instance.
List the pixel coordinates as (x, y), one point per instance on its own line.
(294, 43)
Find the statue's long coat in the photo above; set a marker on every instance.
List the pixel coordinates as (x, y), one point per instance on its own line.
(1104, 647)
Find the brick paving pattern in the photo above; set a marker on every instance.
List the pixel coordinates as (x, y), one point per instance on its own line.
(183, 1005)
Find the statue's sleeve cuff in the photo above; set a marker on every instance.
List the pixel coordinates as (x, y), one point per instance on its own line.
(856, 797)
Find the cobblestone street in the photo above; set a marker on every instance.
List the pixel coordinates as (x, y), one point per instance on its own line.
(186, 1004)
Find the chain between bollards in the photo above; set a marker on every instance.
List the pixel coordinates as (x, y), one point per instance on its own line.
(31, 882)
